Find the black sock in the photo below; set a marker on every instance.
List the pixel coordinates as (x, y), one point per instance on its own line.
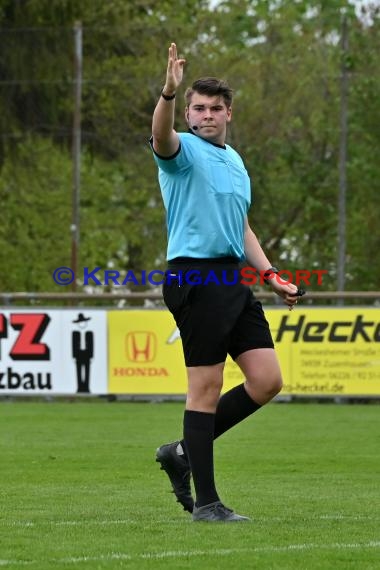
(198, 432)
(233, 407)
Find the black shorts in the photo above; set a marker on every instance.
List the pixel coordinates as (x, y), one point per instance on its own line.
(216, 314)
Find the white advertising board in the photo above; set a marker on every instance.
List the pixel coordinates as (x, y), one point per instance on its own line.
(53, 352)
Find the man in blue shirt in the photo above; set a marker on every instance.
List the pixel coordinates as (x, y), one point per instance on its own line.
(206, 193)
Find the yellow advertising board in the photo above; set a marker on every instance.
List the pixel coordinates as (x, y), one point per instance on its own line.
(328, 351)
(322, 351)
(144, 353)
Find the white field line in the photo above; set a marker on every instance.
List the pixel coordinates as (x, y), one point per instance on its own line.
(194, 553)
(110, 522)
(82, 522)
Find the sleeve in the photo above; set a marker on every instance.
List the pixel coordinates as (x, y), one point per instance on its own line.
(180, 160)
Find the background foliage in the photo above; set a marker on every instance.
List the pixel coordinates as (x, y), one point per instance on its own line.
(283, 60)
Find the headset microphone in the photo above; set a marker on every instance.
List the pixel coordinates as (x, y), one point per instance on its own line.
(194, 128)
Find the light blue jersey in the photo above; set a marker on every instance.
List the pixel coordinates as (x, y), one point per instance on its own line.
(207, 193)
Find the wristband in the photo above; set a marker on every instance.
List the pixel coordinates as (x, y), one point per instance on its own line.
(268, 274)
(167, 97)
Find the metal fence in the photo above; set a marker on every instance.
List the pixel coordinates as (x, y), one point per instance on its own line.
(8, 299)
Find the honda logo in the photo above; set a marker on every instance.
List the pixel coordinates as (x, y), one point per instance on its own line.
(141, 346)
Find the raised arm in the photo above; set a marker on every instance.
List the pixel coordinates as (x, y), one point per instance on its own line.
(165, 138)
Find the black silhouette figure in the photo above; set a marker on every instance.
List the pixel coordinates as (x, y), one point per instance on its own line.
(83, 354)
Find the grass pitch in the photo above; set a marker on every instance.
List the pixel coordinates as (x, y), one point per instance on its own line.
(80, 489)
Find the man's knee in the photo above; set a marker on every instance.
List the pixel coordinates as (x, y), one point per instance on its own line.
(275, 385)
(204, 387)
(262, 390)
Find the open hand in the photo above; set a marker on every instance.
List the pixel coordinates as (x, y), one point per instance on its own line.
(174, 73)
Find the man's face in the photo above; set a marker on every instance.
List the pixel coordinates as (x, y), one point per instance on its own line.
(210, 115)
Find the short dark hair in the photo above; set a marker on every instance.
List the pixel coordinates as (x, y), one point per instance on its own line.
(210, 86)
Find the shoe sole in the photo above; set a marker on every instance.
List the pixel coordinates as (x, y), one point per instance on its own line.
(222, 520)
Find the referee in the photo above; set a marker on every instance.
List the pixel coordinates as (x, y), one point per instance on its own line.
(206, 193)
